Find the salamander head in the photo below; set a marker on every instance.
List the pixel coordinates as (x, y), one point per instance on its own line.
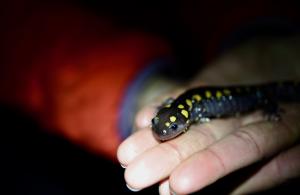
(169, 122)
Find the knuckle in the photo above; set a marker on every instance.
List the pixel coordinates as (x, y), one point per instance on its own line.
(219, 159)
(173, 148)
(278, 167)
(248, 139)
(206, 133)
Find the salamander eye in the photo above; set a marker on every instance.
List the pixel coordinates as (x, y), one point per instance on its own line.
(152, 121)
(174, 126)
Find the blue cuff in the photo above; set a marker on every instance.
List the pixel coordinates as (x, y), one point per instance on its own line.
(128, 106)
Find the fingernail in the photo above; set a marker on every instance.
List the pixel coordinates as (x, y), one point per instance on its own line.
(123, 166)
(132, 189)
(172, 192)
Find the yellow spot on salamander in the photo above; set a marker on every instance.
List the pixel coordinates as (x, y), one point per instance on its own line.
(197, 97)
(208, 94)
(227, 91)
(167, 124)
(219, 94)
(185, 113)
(188, 102)
(172, 118)
(180, 106)
(168, 106)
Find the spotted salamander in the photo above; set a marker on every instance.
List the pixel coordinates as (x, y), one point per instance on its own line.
(204, 103)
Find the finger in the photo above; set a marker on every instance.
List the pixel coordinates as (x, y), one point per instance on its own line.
(254, 117)
(281, 168)
(164, 188)
(245, 146)
(144, 116)
(136, 144)
(156, 163)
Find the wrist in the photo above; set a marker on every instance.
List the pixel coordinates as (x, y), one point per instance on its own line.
(147, 86)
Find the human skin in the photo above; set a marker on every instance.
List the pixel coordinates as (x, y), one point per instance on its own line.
(210, 151)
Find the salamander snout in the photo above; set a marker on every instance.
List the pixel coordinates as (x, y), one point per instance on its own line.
(168, 123)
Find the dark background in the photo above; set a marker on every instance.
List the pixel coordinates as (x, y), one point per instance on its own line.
(199, 31)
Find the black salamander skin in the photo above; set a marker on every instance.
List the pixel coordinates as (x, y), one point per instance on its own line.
(204, 103)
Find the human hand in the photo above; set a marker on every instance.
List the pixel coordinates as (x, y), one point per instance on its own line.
(210, 151)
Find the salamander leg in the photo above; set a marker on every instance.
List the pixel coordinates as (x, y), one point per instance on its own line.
(166, 103)
(272, 111)
(204, 120)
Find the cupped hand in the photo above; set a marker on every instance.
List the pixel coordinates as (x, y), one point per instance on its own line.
(210, 151)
